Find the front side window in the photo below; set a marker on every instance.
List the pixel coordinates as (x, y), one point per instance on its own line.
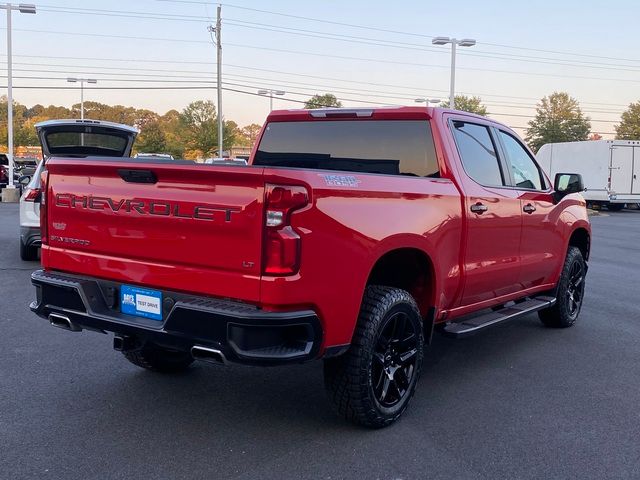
(526, 173)
(478, 153)
(392, 147)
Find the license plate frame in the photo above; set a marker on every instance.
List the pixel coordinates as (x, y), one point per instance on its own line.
(141, 302)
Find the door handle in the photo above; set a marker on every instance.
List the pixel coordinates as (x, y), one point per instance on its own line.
(479, 208)
(528, 208)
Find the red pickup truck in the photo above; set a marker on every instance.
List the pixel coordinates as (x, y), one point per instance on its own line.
(351, 236)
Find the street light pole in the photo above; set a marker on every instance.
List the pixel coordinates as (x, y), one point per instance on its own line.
(219, 67)
(271, 93)
(465, 42)
(22, 8)
(82, 81)
(428, 101)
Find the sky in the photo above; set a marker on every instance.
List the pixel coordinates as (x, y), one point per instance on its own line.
(158, 54)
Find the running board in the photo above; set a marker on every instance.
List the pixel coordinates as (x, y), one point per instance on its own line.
(469, 325)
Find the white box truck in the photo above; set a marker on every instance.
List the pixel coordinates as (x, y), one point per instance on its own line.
(610, 169)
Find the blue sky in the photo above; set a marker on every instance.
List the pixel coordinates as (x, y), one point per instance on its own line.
(512, 65)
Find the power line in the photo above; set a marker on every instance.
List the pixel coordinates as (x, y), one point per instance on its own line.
(393, 62)
(296, 74)
(333, 36)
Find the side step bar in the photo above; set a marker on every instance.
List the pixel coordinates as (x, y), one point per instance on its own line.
(469, 325)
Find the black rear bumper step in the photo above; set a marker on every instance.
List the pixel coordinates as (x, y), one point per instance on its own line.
(472, 324)
(243, 333)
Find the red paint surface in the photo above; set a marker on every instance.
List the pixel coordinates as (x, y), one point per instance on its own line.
(478, 260)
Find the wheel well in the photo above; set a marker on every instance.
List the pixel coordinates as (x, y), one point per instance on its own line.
(410, 269)
(580, 238)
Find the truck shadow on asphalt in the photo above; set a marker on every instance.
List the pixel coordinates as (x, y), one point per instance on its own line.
(207, 399)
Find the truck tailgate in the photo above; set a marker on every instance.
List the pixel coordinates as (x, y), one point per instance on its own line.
(185, 227)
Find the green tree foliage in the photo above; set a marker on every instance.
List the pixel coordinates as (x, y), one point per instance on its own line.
(322, 101)
(191, 133)
(248, 135)
(558, 119)
(629, 128)
(470, 104)
(152, 139)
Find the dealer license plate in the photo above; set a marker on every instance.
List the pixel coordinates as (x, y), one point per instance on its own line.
(142, 302)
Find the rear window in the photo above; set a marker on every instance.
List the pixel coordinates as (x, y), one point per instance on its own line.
(81, 140)
(392, 147)
(96, 140)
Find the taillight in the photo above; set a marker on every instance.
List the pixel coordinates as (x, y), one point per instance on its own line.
(32, 195)
(44, 230)
(4, 176)
(282, 243)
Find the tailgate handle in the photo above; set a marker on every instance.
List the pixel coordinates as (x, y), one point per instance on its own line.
(137, 176)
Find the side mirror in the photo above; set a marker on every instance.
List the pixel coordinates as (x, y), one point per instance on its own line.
(566, 183)
(24, 180)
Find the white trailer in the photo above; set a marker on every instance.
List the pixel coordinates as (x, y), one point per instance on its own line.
(610, 169)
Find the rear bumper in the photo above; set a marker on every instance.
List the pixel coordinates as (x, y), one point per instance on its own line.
(30, 236)
(242, 333)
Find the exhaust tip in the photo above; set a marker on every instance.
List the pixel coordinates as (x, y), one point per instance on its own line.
(207, 354)
(62, 321)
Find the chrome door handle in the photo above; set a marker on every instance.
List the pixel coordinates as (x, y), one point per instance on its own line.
(479, 208)
(528, 208)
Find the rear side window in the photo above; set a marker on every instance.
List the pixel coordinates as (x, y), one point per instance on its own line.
(478, 153)
(392, 147)
(526, 173)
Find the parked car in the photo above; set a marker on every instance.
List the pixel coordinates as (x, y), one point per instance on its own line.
(4, 170)
(66, 138)
(352, 236)
(158, 156)
(609, 168)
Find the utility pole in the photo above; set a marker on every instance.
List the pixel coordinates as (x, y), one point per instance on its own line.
(219, 50)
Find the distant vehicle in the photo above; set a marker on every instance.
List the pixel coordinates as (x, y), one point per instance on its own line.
(155, 156)
(233, 161)
(66, 138)
(610, 169)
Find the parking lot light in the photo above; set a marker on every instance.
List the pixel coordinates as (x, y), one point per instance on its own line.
(271, 93)
(82, 81)
(22, 8)
(465, 42)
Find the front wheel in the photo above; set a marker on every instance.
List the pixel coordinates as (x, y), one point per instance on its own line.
(373, 382)
(565, 311)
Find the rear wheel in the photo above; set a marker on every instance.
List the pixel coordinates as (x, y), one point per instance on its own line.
(28, 253)
(158, 359)
(565, 311)
(373, 382)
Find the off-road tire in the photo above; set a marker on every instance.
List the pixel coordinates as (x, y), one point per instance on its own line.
(560, 315)
(28, 253)
(158, 359)
(349, 377)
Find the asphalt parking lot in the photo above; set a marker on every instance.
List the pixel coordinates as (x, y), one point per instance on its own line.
(518, 401)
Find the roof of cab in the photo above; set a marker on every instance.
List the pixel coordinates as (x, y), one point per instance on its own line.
(382, 112)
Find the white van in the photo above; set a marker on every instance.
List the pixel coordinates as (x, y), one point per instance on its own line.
(610, 169)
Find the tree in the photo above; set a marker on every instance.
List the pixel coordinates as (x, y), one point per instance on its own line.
(151, 139)
(629, 128)
(198, 120)
(558, 119)
(249, 134)
(322, 101)
(470, 104)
